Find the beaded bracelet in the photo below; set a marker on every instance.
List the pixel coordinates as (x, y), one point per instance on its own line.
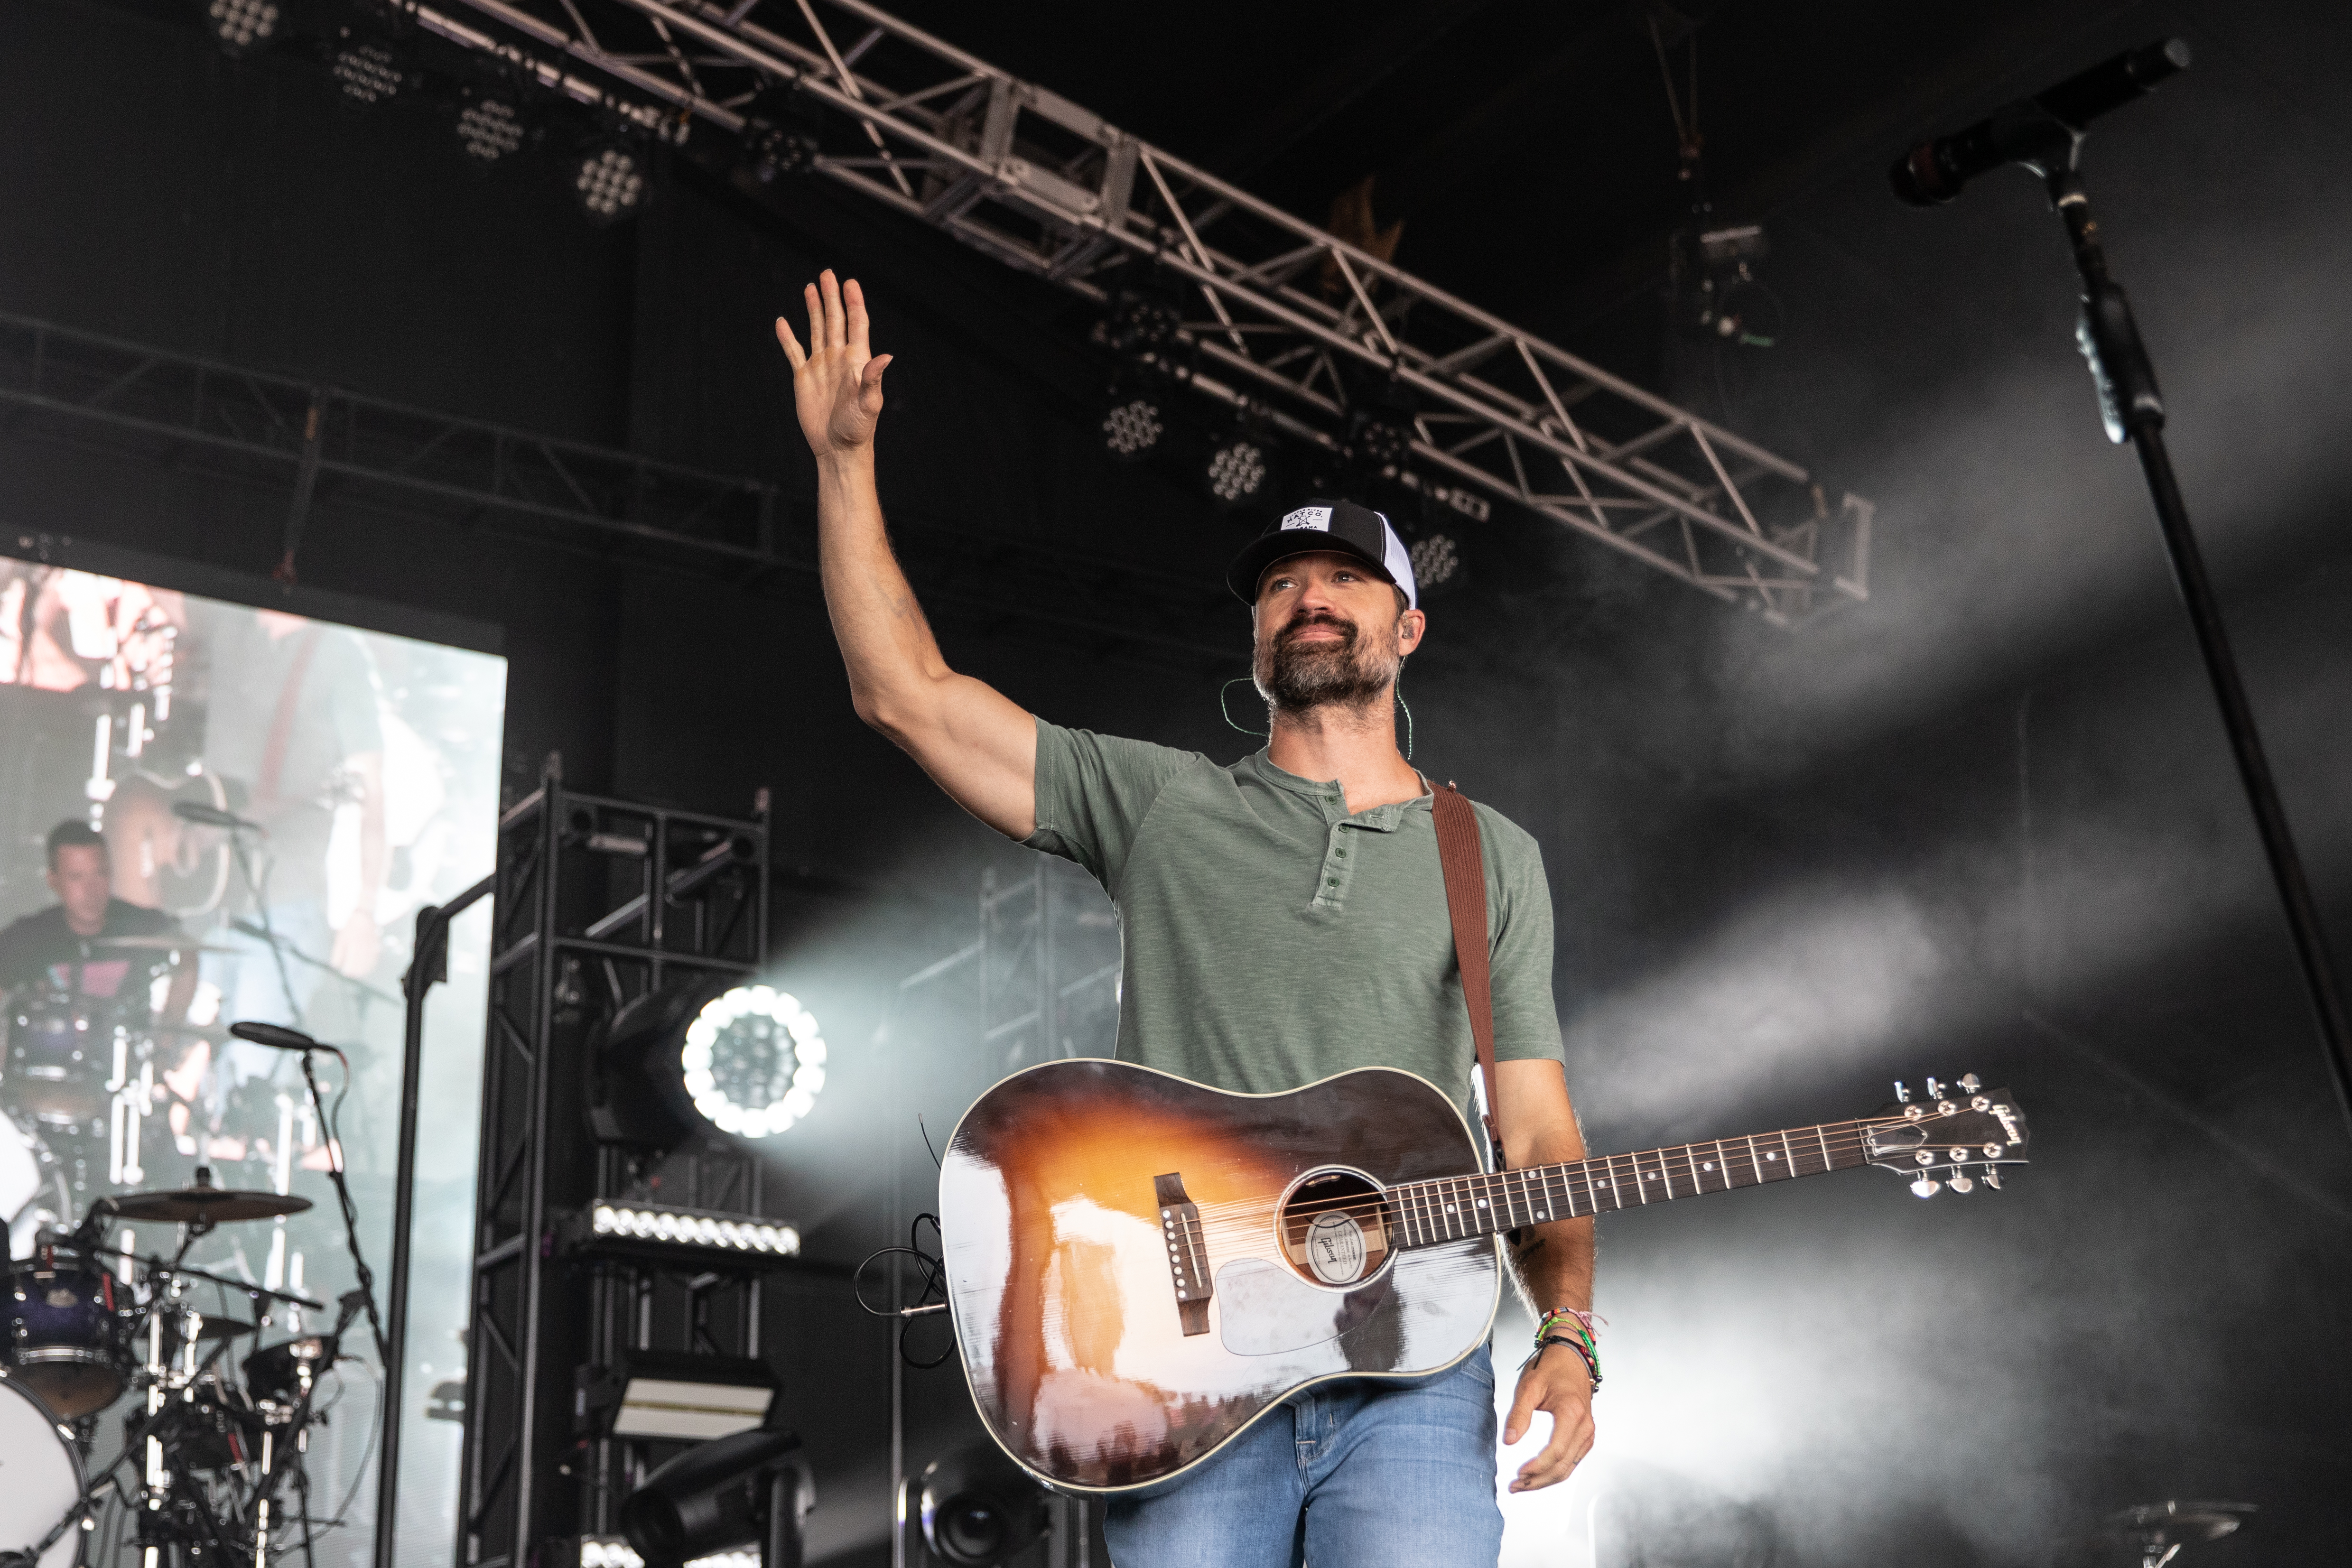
(1581, 1325)
(1585, 1321)
(1592, 1365)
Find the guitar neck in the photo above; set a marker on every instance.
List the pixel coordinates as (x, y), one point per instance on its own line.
(1452, 1209)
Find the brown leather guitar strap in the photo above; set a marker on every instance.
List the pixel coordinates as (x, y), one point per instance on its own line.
(1466, 905)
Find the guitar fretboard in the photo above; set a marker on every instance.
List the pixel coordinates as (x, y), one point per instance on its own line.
(1452, 1209)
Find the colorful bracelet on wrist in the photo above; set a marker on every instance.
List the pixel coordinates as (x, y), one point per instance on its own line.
(1592, 1363)
(1577, 1337)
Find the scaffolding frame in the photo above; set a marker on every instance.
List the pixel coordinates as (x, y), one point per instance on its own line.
(598, 901)
(1278, 318)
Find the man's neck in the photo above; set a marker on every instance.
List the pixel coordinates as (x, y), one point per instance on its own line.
(1355, 746)
(94, 928)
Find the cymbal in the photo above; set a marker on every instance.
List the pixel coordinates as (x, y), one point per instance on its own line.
(160, 942)
(213, 1328)
(2179, 1522)
(204, 1204)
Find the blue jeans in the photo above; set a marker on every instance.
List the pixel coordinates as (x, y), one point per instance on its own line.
(1360, 1473)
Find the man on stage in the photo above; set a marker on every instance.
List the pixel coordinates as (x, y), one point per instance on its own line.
(64, 948)
(1284, 918)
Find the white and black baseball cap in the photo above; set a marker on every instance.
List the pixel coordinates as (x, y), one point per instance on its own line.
(1341, 527)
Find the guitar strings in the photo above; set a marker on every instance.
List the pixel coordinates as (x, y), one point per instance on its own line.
(1850, 1137)
(1847, 1136)
(1726, 1157)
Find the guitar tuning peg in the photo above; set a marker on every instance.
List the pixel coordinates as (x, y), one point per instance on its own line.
(1902, 1095)
(1925, 1186)
(1935, 1090)
(1992, 1177)
(1960, 1182)
(1970, 1082)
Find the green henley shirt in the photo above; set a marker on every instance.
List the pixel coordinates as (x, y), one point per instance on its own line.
(1271, 938)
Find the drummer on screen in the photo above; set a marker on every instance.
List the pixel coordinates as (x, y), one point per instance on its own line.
(63, 948)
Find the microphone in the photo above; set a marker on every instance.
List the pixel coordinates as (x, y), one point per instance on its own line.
(276, 1036)
(211, 816)
(2028, 130)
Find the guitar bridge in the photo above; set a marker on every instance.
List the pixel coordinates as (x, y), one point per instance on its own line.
(1188, 1253)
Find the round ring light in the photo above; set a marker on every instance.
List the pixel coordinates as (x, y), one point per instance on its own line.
(754, 1062)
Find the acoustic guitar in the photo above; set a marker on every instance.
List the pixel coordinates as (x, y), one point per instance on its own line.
(1140, 1267)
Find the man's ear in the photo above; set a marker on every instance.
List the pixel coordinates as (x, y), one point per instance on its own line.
(1410, 625)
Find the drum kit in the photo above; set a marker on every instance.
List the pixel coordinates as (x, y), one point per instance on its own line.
(209, 1444)
(83, 1075)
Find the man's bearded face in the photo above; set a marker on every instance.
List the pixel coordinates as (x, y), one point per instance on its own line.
(1320, 656)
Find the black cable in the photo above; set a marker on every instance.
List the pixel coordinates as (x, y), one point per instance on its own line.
(331, 1126)
(935, 1278)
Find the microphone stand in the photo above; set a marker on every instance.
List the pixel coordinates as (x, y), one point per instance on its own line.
(2133, 412)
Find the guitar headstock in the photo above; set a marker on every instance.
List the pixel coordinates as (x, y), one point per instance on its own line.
(1939, 1139)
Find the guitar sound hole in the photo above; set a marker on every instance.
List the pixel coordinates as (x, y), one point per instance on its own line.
(1334, 1230)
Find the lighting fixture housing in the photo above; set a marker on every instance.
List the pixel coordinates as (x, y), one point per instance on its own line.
(1239, 470)
(670, 1396)
(1133, 426)
(752, 1487)
(701, 1239)
(610, 180)
(240, 26)
(977, 1509)
(702, 1057)
(753, 1060)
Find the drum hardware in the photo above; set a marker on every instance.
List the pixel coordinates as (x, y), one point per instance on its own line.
(160, 942)
(2158, 1530)
(203, 1204)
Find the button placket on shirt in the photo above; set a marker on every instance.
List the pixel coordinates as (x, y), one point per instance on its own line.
(1343, 848)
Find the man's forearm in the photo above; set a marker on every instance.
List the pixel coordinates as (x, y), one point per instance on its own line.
(1554, 1265)
(1554, 1261)
(886, 642)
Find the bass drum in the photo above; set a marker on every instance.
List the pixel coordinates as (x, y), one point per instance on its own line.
(40, 1476)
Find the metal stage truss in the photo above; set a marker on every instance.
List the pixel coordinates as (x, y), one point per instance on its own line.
(598, 902)
(1272, 313)
(336, 451)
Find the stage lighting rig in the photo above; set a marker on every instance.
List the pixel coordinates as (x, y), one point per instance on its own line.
(1239, 469)
(753, 1487)
(773, 152)
(611, 181)
(975, 1508)
(673, 1396)
(753, 1060)
(1433, 538)
(364, 68)
(694, 1237)
(490, 129)
(1436, 561)
(491, 121)
(1133, 426)
(239, 26)
(745, 1061)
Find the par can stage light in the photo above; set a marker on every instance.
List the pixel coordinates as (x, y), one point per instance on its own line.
(747, 1061)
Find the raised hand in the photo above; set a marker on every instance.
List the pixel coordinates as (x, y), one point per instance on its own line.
(837, 381)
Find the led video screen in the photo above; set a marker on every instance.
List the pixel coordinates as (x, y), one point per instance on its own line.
(212, 813)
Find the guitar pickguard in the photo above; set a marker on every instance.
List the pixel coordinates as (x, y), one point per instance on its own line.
(1266, 1310)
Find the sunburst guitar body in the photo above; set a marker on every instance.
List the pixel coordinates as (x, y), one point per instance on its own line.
(1139, 1266)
